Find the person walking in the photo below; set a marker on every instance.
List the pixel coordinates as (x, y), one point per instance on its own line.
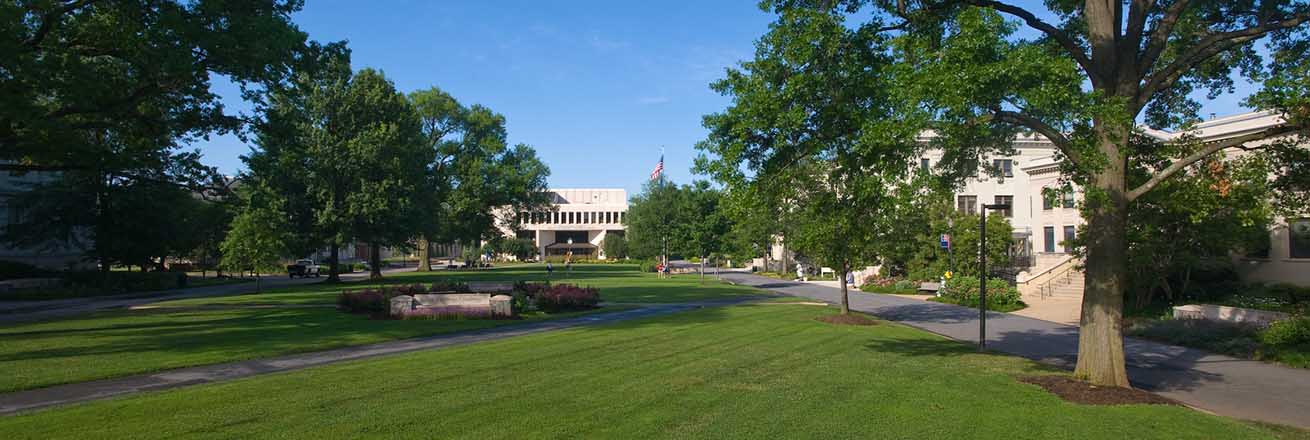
(550, 269)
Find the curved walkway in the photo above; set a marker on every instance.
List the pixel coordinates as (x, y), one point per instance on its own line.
(1224, 385)
(106, 388)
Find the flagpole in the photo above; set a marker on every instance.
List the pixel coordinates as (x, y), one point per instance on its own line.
(665, 229)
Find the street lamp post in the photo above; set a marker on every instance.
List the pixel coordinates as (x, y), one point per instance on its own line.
(982, 273)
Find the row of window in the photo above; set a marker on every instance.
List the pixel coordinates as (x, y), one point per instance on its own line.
(969, 204)
(1048, 235)
(572, 218)
(1005, 167)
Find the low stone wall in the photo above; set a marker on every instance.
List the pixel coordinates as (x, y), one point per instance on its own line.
(1213, 312)
(472, 304)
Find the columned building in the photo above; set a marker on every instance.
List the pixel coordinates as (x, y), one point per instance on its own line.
(577, 221)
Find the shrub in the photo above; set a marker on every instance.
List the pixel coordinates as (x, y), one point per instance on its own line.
(1287, 333)
(905, 285)
(448, 286)
(376, 302)
(648, 265)
(964, 291)
(565, 297)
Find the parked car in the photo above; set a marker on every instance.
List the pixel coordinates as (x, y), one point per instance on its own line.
(303, 269)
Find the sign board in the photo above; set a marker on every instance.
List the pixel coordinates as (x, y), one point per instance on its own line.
(946, 241)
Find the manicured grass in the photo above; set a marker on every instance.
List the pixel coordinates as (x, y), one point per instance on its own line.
(130, 342)
(757, 371)
(618, 283)
(133, 342)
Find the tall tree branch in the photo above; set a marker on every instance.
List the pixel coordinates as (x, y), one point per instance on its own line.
(1061, 141)
(49, 19)
(1206, 150)
(1160, 35)
(1055, 33)
(1209, 47)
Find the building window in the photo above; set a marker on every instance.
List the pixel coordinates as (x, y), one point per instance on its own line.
(1048, 201)
(1048, 233)
(1006, 200)
(967, 204)
(925, 164)
(1298, 238)
(1004, 166)
(1068, 199)
(1068, 238)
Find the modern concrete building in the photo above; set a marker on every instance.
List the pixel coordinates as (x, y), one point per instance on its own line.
(578, 220)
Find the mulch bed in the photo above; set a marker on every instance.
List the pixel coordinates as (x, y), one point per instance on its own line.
(1077, 391)
(851, 319)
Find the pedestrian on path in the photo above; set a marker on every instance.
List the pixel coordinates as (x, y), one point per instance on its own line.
(550, 269)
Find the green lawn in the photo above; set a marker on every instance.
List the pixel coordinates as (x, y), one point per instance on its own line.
(618, 283)
(130, 342)
(754, 371)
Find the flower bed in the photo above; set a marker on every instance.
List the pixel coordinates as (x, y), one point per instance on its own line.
(566, 297)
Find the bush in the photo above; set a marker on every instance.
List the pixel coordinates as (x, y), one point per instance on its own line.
(648, 265)
(964, 291)
(905, 285)
(376, 302)
(567, 297)
(448, 286)
(12, 269)
(1287, 333)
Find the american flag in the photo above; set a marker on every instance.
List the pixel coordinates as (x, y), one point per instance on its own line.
(659, 168)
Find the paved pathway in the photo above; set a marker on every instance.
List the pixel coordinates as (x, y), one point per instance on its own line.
(25, 311)
(101, 389)
(1221, 384)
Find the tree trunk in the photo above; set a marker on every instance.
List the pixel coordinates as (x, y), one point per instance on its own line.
(702, 269)
(334, 259)
(374, 261)
(1100, 334)
(423, 255)
(845, 298)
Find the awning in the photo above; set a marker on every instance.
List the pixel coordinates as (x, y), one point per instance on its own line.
(571, 246)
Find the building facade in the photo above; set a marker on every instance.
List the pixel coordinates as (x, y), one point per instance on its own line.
(577, 222)
(1043, 225)
(13, 182)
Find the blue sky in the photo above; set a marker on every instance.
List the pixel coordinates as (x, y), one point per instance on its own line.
(596, 87)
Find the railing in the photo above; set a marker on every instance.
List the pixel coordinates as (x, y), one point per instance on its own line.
(1065, 273)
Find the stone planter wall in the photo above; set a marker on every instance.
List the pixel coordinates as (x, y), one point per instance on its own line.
(1213, 312)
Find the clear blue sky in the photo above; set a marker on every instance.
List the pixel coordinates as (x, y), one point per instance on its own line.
(596, 87)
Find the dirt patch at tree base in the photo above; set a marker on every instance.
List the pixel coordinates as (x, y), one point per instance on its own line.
(1080, 392)
(850, 319)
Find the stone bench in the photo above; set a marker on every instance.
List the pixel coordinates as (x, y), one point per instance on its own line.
(930, 287)
(477, 303)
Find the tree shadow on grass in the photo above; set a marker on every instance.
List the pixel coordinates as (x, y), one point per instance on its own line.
(947, 350)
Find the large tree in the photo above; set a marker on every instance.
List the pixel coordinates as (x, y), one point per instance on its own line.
(814, 128)
(345, 150)
(1082, 76)
(106, 93)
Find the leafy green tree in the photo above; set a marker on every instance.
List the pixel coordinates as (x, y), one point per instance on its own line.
(256, 241)
(1083, 83)
(1195, 221)
(815, 127)
(346, 149)
(615, 246)
(384, 161)
(106, 94)
(912, 243)
(652, 219)
(442, 118)
(702, 229)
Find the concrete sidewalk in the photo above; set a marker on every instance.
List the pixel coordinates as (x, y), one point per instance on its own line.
(1224, 385)
(21, 401)
(27, 311)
